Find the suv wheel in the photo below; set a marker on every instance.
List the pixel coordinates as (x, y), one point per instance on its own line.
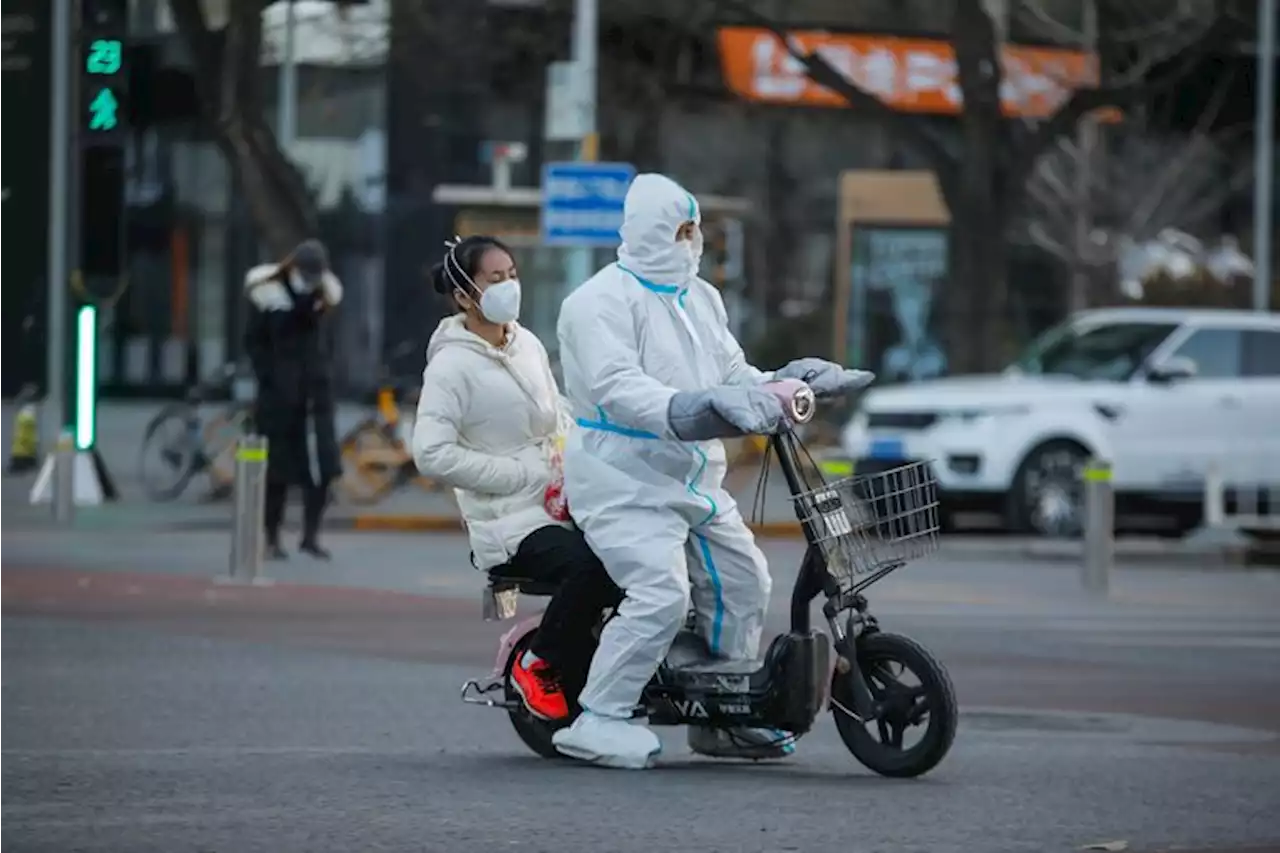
(1047, 498)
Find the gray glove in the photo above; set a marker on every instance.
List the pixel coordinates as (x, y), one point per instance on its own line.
(723, 412)
(827, 379)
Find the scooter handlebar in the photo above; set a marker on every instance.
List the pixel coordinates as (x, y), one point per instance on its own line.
(797, 398)
(696, 419)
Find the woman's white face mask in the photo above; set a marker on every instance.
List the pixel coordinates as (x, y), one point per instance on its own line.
(500, 303)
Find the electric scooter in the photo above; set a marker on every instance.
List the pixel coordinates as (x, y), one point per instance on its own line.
(857, 531)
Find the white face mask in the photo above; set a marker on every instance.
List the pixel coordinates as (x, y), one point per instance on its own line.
(500, 303)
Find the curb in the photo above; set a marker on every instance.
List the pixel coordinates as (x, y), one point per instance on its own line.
(400, 523)
(1126, 553)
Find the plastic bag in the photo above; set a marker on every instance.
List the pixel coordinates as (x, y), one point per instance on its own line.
(554, 501)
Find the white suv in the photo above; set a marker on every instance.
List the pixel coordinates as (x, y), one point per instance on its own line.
(1161, 392)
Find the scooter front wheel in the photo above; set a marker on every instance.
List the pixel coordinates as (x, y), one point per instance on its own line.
(887, 662)
(534, 731)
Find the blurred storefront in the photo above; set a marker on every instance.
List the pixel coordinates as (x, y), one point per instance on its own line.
(891, 279)
(26, 191)
(394, 104)
(179, 318)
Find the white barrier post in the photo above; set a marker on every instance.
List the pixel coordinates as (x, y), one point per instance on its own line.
(1215, 510)
(250, 490)
(1099, 528)
(64, 479)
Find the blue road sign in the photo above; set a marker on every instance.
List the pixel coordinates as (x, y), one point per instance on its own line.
(582, 202)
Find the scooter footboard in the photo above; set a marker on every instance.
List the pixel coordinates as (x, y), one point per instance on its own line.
(706, 700)
(786, 692)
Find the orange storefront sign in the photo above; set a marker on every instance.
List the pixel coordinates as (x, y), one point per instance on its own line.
(909, 74)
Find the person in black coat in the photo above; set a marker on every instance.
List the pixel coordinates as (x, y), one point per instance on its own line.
(289, 340)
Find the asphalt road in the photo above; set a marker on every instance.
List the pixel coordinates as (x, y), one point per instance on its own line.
(145, 708)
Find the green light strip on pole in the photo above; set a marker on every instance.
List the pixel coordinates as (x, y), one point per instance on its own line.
(86, 381)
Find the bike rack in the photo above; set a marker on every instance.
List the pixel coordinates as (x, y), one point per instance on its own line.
(474, 686)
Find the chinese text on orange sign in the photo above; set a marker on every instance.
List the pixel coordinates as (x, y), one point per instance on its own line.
(908, 74)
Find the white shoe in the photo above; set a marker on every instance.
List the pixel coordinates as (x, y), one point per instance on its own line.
(608, 741)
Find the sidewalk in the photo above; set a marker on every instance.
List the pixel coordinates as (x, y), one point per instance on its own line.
(127, 560)
(412, 513)
(410, 510)
(121, 425)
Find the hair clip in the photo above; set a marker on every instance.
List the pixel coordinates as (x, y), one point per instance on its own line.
(452, 244)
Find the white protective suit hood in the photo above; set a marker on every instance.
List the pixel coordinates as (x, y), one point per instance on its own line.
(654, 209)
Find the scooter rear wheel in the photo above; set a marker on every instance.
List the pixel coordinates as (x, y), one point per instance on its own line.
(534, 731)
(934, 698)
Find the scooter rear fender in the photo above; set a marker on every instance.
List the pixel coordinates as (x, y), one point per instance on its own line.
(510, 639)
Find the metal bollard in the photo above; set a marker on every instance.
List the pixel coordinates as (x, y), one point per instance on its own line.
(1215, 510)
(64, 479)
(1099, 528)
(250, 492)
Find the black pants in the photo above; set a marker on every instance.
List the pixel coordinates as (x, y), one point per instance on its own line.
(564, 640)
(315, 497)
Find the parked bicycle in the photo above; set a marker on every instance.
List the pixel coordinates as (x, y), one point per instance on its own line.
(376, 455)
(180, 443)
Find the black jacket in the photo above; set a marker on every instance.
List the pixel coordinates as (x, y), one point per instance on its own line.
(289, 340)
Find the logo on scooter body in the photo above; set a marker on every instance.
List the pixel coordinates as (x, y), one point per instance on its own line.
(691, 708)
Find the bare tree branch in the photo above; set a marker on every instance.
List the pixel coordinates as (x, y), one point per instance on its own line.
(193, 28)
(1145, 185)
(227, 85)
(1040, 237)
(1083, 101)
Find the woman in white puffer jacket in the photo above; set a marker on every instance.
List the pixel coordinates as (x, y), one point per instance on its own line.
(491, 424)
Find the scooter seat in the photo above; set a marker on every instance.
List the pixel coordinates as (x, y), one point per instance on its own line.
(502, 582)
(722, 667)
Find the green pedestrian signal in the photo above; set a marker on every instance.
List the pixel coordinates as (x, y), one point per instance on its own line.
(105, 57)
(102, 111)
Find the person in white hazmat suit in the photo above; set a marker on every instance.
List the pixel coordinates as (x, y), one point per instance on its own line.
(645, 348)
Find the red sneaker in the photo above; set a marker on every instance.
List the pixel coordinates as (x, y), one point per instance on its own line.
(540, 690)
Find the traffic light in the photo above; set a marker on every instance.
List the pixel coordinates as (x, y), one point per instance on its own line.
(103, 69)
(104, 84)
(102, 236)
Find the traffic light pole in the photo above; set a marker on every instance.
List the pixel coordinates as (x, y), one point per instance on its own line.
(71, 385)
(60, 110)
